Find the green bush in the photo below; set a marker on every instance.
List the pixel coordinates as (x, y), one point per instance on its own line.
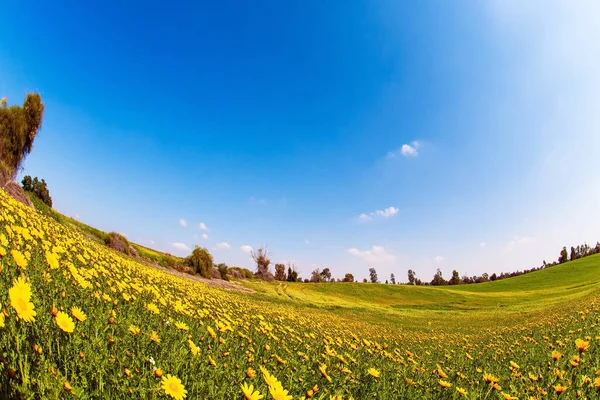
(200, 261)
(37, 187)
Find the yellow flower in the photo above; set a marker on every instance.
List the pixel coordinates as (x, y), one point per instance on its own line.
(173, 387)
(193, 348)
(152, 308)
(597, 383)
(52, 260)
(154, 337)
(582, 345)
(559, 388)
(78, 314)
(279, 393)
(1, 319)
(19, 258)
(373, 372)
(269, 379)
(250, 373)
(489, 378)
(250, 393)
(444, 384)
(182, 326)
(134, 330)
(556, 355)
(509, 397)
(20, 299)
(64, 322)
(461, 391)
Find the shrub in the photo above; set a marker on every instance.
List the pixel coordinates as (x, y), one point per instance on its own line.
(200, 261)
(222, 268)
(37, 187)
(117, 242)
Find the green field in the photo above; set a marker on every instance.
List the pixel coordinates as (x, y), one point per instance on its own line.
(154, 335)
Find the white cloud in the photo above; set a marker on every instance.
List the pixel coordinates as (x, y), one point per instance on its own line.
(223, 245)
(77, 217)
(377, 255)
(385, 213)
(246, 249)
(204, 236)
(518, 241)
(407, 150)
(203, 226)
(438, 259)
(306, 241)
(180, 246)
(183, 222)
(482, 244)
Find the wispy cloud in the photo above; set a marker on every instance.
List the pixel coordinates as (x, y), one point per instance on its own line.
(438, 259)
(183, 222)
(180, 246)
(223, 245)
(246, 248)
(482, 244)
(385, 213)
(376, 255)
(518, 241)
(203, 226)
(204, 236)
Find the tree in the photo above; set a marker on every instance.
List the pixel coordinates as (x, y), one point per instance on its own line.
(373, 275)
(292, 275)
(262, 258)
(348, 278)
(27, 183)
(200, 261)
(326, 274)
(316, 276)
(280, 272)
(411, 276)
(438, 280)
(573, 253)
(455, 280)
(18, 127)
(364, 280)
(563, 256)
(393, 279)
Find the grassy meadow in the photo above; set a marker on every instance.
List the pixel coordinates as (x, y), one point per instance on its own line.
(79, 320)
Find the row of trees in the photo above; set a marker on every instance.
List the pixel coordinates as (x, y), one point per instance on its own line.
(37, 187)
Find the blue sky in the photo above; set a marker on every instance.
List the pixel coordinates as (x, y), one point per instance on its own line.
(451, 135)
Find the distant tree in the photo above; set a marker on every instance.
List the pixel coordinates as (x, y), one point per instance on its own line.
(563, 256)
(316, 276)
(223, 271)
(280, 272)
(37, 187)
(364, 280)
(200, 261)
(326, 274)
(393, 279)
(493, 277)
(373, 275)
(348, 278)
(19, 126)
(411, 276)
(27, 183)
(573, 253)
(262, 258)
(438, 280)
(455, 280)
(418, 282)
(292, 275)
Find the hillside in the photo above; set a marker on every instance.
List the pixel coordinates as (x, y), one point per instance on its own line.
(81, 320)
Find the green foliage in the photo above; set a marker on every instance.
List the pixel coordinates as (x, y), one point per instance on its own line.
(348, 278)
(244, 273)
(373, 275)
(292, 275)
(280, 272)
(200, 261)
(18, 127)
(39, 188)
(223, 271)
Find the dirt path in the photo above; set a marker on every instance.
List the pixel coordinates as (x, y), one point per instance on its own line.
(220, 283)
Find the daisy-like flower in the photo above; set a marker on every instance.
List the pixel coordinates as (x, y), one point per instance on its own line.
(154, 337)
(559, 388)
(20, 299)
(373, 372)
(64, 322)
(582, 345)
(249, 392)
(193, 348)
(444, 384)
(279, 393)
(152, 308)
(173, 387)
(182, 326)
(1, 319)
(250, 373)
(78, 314)
(134, 330)
(461, 391)
(19, 258)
